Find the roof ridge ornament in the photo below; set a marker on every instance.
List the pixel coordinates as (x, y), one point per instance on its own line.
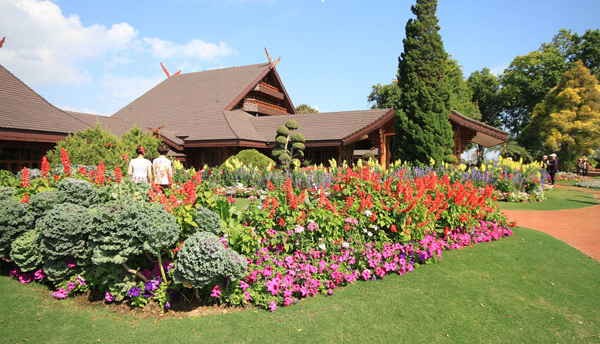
(166, 72)
(271, 63)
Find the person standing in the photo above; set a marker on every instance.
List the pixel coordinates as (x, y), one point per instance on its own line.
(585, 167)
(140, 168)
(552, 167)
(163, 171)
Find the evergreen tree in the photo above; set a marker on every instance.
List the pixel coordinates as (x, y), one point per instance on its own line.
(423, 130)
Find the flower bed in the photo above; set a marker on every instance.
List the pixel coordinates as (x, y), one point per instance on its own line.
(81, 230)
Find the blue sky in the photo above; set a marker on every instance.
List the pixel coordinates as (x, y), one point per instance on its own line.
(98, 55)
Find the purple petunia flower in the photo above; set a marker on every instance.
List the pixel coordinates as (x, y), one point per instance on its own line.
(134, 292)
(108, 297)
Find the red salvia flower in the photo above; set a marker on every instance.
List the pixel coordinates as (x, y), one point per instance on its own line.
(124, 156)
(45, 167)
(82, 170)
(25, 198)
(393, 229)
(100, 173)
(25, 182)
(118, 174)
(64, 157)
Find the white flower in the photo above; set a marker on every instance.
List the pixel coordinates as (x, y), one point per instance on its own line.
(368, 213)
(364, 230)
(370, 234)
(299, 229)
(322, 247)
(345, 245)
(375, 227)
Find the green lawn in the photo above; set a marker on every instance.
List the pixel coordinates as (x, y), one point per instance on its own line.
(529, 288)
(556, 199)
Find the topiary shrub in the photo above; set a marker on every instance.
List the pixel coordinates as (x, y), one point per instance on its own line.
(64, 235)
(203, 258)
(7, 192)
(15, 219)
(44, 201)
(251, 157)
(207, 220)
(289, 148)
(79, 191)
(25, 251)
(124, 228)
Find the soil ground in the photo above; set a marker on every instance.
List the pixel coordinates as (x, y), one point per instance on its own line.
(579, 228)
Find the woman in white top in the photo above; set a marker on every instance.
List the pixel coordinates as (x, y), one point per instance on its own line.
(140, 168)
(161, 166)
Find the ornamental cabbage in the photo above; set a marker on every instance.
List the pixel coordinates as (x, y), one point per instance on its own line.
(124, 228)
(15, 219)
(207, 220)
(203, 258)
(25, 251)
(79, 191)
(44, 201)
(6, 192)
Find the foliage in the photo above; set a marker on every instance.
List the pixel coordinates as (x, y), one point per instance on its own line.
(15, 219)
(207, 220)
(511, 149)
(384, 96)
(568, 121)
(64, 235)
(7, 192)
(202, 259)
(423, 131)
(79, 191)
(124, 228)
(250, 158)
(136, 137)
(25, 251)
(44, 201)
(461, 95)
(305, 108)
(126, 189)
(87, 147)
(289, 148)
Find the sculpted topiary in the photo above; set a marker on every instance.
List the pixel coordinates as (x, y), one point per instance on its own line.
(25, 251)
(289, 148)
(203, 258)
(15, 219)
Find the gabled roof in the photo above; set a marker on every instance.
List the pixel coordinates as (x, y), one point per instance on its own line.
(486, 135)
(192, 105)
(21, 108)
(345, 126)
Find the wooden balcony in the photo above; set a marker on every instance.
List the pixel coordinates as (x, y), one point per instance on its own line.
(255, 105)
(269, 90)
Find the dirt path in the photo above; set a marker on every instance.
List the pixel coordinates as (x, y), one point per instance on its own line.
(579, 228)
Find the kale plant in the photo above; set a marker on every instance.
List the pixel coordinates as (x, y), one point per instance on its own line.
(44, 201)
(7, 192)
(15, 219)
(79, 191)
(25, 251)
(64, 235)
(207, 220)
(203, 258)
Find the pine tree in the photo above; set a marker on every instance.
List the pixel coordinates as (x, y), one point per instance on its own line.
(423, 131)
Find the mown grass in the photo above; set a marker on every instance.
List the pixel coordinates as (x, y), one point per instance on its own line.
(530, 288)
(556, 199)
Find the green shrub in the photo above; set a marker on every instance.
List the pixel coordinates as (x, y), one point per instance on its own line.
(64, 235)
(283, 130)
(451, 159)
(15, 219)
(207, 221)
(25, 251)
(7, 192)
(203, 258)
(79, 191)
(292, 124)
(44, 201)
(251, 157)
(125, 228)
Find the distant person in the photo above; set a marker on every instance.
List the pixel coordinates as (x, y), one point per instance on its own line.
(163, 171)
(545, 162)
(552, 167)
(579, 167)
(585, 167)
(140, 168)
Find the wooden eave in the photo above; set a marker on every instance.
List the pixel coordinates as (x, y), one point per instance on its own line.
(389, 116)
(31, 136)
(224, 143)
(251, 87)
(478, 127)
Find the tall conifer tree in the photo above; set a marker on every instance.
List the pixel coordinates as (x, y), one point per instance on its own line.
(423, 130)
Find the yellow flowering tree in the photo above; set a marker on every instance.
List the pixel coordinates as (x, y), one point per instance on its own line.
(568, 120)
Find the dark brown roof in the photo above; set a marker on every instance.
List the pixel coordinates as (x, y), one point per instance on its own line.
(486, 135)
(192, 105)
(114, 125)
(325, 126)
(23, 109)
